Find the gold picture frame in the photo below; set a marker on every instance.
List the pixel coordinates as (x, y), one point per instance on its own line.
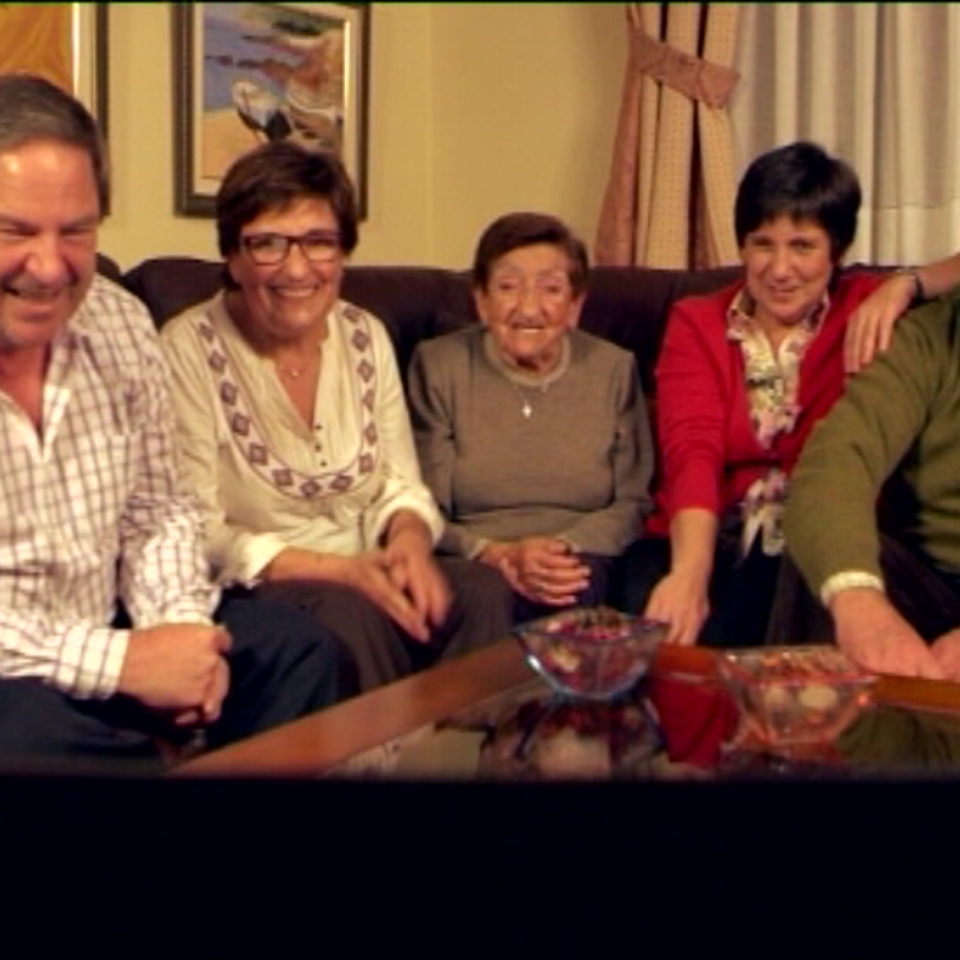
(246, 73)
(64, 42)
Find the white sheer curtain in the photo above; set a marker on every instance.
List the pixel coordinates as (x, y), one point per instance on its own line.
(879, 85)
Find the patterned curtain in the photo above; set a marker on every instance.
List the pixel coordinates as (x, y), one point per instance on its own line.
(669, 199)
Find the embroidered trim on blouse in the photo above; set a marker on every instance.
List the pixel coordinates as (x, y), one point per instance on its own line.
(249, 438)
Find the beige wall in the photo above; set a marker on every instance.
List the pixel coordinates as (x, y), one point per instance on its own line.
(475, 109)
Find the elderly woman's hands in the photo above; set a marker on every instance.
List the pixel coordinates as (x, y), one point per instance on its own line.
(542, 569)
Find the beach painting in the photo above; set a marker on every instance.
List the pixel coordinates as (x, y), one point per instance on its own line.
(62, 42)
(247, 73)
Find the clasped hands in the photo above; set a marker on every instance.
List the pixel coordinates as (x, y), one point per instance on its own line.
(402, 580)
(414, 591)
(542, 569)
(179, 669)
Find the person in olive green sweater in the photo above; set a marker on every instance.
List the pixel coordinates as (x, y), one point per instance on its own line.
(894, 600)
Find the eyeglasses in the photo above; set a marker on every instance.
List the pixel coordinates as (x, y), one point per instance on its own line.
(269, 249)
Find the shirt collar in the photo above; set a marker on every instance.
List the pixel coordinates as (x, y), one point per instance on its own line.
(740, 322)
(81, 322)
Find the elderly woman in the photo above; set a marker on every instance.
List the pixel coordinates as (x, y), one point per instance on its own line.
(743, 376)
(294, 431)
(532, 434)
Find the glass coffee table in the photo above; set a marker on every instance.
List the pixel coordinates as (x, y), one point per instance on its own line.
(487, 715)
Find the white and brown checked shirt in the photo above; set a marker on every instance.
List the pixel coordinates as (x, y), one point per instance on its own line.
(89, 511)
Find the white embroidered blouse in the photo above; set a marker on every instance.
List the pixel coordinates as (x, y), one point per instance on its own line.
(267, 480)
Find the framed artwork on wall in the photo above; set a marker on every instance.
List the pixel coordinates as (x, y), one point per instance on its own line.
(247, 73)
(64, 42)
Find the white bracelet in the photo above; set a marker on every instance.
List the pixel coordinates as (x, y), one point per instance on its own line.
(848, 580)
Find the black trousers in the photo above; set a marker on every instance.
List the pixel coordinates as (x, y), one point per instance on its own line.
(283, 664)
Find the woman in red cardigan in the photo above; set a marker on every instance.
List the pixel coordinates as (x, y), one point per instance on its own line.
(742, 377)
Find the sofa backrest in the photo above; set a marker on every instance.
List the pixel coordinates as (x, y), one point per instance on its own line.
(627, 305)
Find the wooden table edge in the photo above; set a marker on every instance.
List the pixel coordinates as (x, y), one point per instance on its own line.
(315, 743)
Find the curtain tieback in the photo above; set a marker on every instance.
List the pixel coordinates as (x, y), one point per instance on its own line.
(692, 76)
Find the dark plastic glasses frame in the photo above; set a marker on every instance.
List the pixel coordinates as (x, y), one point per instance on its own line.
(269, 256)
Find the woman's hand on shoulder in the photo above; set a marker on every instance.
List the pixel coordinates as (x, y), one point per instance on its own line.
(682, 602)
(870, 327)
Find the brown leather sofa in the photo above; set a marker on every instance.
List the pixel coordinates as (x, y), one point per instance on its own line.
(628, 305)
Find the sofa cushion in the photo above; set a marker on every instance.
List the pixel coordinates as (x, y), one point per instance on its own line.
(413, 302)
(108, 267)
(168, 285)
(629, 305)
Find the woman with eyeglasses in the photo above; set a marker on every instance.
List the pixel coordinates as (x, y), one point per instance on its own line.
(295, 433)
(533, 434)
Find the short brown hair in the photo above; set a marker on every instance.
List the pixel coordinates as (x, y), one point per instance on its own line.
(32, 108)
(272, 176)
(516, 230)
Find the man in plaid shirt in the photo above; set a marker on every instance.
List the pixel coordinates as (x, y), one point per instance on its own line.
(90, 507)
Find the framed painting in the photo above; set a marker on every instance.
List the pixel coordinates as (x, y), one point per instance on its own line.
(247, 73)
(64, 42)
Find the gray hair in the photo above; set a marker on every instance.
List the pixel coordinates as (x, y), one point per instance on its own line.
(32, 108)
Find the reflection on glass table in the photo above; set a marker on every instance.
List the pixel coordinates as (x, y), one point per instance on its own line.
(892, 741)
(679, 722)
(793, 702)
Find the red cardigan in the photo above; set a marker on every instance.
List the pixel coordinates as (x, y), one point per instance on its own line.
(709, 453)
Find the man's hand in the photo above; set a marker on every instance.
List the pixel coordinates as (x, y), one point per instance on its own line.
(870, 327)
(178, 668)
(946, 650)
(542, 569)
(871, 632)
(681, 600)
